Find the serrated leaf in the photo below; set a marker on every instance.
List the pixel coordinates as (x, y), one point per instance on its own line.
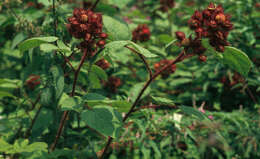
(35, 42)
(237, 60)
(116, 51)
(116, 28)
(58, 79)
(192, 111)
(104, 119)
(141, 50)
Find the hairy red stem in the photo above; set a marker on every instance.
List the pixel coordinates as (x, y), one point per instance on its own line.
(66, 113)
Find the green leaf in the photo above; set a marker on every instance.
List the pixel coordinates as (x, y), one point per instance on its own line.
(4, 146)
(18, 38)
(44, 120)
(192, 111)
(119, 3)
(70, 103)
(94, 80)
(121, 106)
(5, 94)
(63, 48)
(134, 91)
(104, 119)
(35, 42)
(93, 97)
(170, 43)
(37, 146)
(116, 51)
(58, 79)
(160, 100)
(116, 28)
(46, 96)
(102, 75)
(165, 38)
(48, 47)
(237, 60)
(233, 57)
(141, 50)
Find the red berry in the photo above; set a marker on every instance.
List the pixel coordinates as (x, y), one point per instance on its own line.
(180, 35)
(101, 43)
(103, 35)
(203, 58)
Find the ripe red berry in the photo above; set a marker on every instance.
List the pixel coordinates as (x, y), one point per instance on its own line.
(203, 58)
(104, 64)
(180, 35)
(33, 81)
(103, 35)
(101, 43)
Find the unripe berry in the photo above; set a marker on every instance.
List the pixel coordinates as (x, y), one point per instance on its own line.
(185, 42)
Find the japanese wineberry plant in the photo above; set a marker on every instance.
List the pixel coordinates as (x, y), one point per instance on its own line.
(129, 79)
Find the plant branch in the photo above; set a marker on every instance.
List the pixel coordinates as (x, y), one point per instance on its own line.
(36, 101)
(67, 61)
(143, 59)
(28, 132)
(66, 113)
(94, 5)
(179, 58)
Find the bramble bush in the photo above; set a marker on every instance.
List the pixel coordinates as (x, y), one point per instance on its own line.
(129, 79)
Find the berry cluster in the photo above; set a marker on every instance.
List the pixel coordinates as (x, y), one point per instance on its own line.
(113, 83)
(33, 81)
(104, 64)
(211, 23)
(141, 33)
(158, 66)
(87, 25)
(166, 5)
